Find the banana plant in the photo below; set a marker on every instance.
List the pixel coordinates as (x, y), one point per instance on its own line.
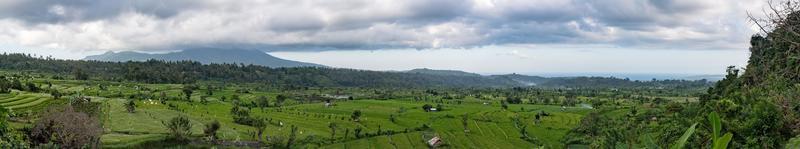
(682, 141)
(719, 142)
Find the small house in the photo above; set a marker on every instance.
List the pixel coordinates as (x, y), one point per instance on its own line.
(434, 141)
(433, 109)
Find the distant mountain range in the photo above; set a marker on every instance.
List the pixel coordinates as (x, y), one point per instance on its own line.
(206, 56)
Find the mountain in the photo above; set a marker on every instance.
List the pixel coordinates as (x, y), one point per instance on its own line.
(206, 56)
(443, 72)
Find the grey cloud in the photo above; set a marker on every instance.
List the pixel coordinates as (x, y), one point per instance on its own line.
(365, 24)
(42, 11)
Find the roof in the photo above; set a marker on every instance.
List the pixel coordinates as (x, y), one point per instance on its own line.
(434, 141)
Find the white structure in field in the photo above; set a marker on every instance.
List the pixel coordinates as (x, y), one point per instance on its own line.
(434, 141)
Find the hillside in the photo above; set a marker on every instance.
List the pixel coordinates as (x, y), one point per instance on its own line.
(760, 105)
(206, 56)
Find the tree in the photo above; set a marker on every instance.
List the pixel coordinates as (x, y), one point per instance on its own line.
(392, 118)
(241, 115)
(163, 97)
(130, 106)
(204, 99)
(209, 90)
(292, 137)
(427, 107)
(188, 90)
(346, 131)
(55, 93)
(439, 107)
(16, 84)
(357, 132)
(504, 105)
(356, 116)
(513, 100)
(32, 87)
(332, 126)
(179, 128)
(211, 130)
(279, 100)
(79, 74)
(260, 125)
(465, 121)
(5, 86)
(263, 102)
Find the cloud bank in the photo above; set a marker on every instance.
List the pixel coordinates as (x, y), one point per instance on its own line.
(289, 25)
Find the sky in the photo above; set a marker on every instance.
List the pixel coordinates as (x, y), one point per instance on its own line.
(484, 36)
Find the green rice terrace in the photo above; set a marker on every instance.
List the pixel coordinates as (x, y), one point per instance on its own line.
(137, 115)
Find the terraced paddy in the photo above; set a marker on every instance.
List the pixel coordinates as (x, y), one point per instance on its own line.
(489, 125)
(20, 100)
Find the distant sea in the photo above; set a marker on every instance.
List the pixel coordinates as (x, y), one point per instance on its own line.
(637, 76)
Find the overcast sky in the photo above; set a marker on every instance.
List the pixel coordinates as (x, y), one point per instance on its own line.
(486, 36)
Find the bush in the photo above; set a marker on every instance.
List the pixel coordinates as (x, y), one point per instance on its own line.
(130, 106)
(179, 128)
(211, 130)
(66, 128)
(356, 116)
(9, 139)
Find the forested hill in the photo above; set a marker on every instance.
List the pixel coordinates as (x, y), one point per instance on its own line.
(156, 71)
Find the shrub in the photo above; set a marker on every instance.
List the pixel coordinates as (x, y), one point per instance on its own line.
(179, 128)
(130, 106)
(211, 130)
(356, 116)
(66, 128)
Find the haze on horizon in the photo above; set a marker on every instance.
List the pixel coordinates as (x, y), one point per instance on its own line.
(483, 36)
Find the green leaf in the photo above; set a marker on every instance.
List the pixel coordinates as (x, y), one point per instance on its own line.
(715, 124)
(682, 141)
(723, 142)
